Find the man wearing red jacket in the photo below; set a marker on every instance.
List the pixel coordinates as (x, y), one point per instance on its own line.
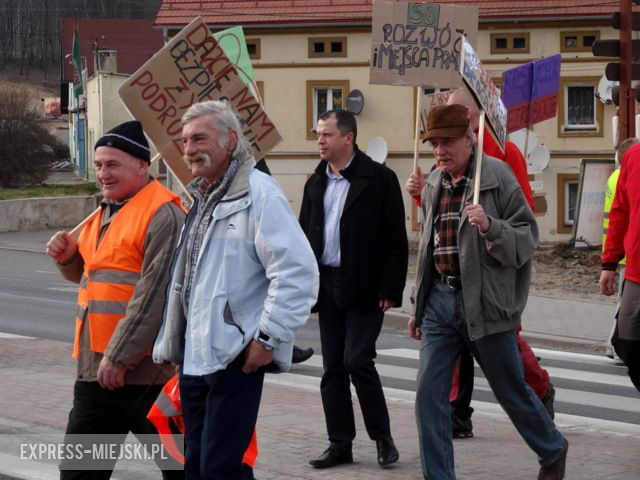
(623, 237)
(535, 376)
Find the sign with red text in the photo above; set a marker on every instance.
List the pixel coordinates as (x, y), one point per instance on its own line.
(485, 93)
(419, 44)
(530, 92)
(192, 68)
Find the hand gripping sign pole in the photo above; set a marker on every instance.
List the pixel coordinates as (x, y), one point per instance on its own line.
(479, 84)
(478, 169)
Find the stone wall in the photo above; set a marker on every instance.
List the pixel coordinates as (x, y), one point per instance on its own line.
(44, 213)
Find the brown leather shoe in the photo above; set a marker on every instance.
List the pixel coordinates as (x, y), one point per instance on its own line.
(555, 471)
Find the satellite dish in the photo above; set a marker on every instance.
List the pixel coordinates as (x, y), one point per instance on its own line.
(355, 102)
(519, 137)
(538, 160)
(377, 149)
(604, 90)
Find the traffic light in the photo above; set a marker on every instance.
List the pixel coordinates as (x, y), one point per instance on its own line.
(626, 70)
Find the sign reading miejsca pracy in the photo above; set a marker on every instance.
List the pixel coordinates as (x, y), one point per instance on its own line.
(479, 83)
(192, 68)
(419, 44)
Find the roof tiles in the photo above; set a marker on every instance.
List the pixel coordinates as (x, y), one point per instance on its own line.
(309, 12)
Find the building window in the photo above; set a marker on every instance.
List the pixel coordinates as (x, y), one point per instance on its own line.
(578, 41)
(323, 96)
(509, 43)
(567, 201)
(322, 47)
(253, 47)
(579, 112)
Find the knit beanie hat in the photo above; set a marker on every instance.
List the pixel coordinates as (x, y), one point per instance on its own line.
(128, 137)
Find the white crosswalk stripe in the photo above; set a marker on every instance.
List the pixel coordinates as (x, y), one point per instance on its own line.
(591, 391)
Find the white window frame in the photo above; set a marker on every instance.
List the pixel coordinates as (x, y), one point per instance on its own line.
(568, 127)
(567, 201)
(313, 89)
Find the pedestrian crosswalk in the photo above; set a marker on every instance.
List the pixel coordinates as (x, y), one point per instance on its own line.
(591, 390)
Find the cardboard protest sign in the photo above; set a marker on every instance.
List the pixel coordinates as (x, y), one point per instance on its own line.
(530, 92)
(419, 44)
(192, 68)
(480, 85)
(430, 100)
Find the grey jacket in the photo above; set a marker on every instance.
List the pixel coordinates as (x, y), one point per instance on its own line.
(495, 267)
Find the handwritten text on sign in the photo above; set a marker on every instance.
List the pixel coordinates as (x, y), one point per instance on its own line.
(530, 92)
(189, 69)
(419, 43)
(485, 92)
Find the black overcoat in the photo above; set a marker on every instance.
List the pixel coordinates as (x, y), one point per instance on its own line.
(373, 236)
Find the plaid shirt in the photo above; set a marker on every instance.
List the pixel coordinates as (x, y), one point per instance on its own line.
(446, 222)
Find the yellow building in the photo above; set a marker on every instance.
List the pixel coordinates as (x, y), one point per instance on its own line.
(308, 55)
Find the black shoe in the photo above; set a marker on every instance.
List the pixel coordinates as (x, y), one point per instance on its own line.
(387, 452)
(548, 399)
(461, 427)
(332, 457)
(301, 355)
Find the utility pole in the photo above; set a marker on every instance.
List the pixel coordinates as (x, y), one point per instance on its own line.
(627, 112)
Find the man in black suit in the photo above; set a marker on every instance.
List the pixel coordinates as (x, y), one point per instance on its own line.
(353, 215)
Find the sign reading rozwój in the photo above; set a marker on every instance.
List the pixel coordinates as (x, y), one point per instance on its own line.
(419, 44)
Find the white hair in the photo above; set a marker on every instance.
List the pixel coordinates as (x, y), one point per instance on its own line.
(224, 120)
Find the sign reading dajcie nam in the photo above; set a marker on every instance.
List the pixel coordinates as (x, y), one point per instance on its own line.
(479, 83)
(192, 68)
(419, 43)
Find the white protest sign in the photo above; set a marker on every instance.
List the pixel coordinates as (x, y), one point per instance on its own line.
(480, 85)
(192, 68)
(416, 43)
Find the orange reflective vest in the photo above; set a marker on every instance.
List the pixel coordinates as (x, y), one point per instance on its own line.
(112, 268)
(166, 413)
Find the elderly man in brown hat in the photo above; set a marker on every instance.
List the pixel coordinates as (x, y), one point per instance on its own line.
(476, 259)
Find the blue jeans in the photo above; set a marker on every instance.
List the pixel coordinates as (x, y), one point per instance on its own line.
(444, 332)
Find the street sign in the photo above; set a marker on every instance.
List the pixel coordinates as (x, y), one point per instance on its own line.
(612, 71)
(635, 20)
(611, 48)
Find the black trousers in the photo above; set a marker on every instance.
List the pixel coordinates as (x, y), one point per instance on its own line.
(348, 338)
(220, 412)
(99, 411)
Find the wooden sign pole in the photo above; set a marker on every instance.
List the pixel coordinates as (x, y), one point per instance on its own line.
(478, 169)
(416, 143)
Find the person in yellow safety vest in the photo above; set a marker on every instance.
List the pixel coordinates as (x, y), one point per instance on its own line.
(121, 261)
(609, 195)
